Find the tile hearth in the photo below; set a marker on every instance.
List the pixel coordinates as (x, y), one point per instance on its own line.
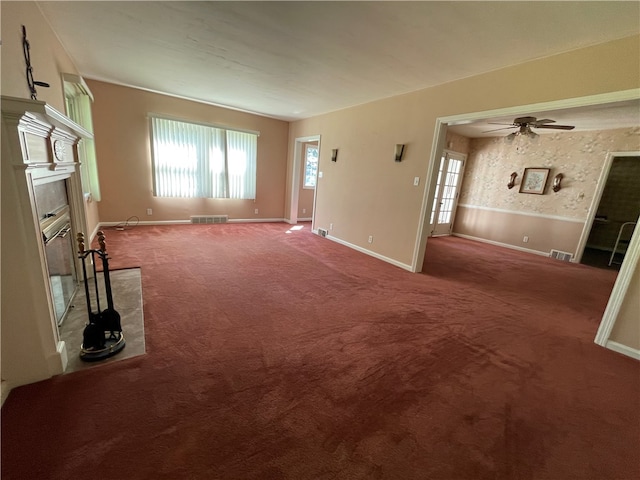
(127, 299)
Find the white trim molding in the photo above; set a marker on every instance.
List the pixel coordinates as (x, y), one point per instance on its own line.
(597, 196)
(296, 175)
(256, 220)
(598, 99)
(188, 222)
(500, 244)
(526, 214)
(404, 266)
(620, 288)
(623, 349)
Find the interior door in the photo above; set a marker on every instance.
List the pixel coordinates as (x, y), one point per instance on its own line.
(446, 193)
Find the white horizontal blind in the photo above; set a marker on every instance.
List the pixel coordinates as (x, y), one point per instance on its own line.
(195, 160)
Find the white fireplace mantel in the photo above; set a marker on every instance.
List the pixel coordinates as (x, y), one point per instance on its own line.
(39, 145)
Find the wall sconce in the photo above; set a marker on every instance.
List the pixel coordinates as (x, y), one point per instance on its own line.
(512, 181)
(557, 182)
(399, 151)
(334, 155)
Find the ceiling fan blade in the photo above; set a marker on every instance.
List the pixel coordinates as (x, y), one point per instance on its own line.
(557, 127)
(524, 121)
(542, 122)
(496, 123)
(497, 129)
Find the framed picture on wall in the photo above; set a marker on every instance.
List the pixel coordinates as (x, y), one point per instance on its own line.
(534, 180)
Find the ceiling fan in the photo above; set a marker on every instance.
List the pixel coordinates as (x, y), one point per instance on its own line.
(524, 125)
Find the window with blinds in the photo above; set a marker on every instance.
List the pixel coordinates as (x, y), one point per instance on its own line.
(196, 160)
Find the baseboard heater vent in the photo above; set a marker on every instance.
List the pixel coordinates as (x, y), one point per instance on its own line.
(322, 232)
(558, 255)
(209, 218)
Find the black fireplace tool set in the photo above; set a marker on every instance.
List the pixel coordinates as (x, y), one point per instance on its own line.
(102, 336)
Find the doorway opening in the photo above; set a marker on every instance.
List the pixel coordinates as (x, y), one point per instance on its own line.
(632, 255)
(302, 200)
(615, 210)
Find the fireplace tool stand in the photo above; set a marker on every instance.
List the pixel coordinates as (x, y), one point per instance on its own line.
(102, 337)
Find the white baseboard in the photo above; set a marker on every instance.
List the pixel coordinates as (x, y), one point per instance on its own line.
(404, 266)
(94, 233)
(186, 222)
(288, 220)
(255, 220)
(500, 244)
(145, 222)
(623, 349)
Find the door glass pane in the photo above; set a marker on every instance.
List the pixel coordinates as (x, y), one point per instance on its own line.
(449, 191)
(437, 193)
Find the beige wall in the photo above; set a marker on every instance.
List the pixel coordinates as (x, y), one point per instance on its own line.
(508, 228)
(491, 211)
(626, 330)
(123, 150)
(49, 60)
(366, 193)
(305, 196)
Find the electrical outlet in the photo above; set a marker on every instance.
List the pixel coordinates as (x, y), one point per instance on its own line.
(331, 226)
(304, 210)
(370, 239)
(416, 181)
(255, 211)
(149, 211)
(525, 239)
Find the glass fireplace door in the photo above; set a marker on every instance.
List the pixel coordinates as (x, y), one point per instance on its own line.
(59, 249)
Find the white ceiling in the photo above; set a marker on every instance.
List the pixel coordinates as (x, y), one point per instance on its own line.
(293, 60)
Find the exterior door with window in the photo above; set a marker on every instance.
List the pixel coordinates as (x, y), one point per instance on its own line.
(446, 193)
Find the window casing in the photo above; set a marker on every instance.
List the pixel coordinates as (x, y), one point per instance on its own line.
(194, 160)
(78, 99)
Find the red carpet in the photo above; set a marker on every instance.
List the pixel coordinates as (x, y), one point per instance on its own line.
(276, 355)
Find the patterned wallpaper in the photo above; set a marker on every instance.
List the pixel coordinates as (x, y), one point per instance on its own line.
(579, 156)
(457, 143)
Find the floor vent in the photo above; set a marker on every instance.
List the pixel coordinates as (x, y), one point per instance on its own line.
(209, 218)
(564, 256)
(322, 232)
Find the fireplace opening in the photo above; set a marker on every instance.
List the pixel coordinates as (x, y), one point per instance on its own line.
(52, 208)
(59, 250)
